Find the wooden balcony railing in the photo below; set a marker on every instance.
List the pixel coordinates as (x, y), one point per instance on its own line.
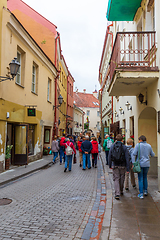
(133, 50)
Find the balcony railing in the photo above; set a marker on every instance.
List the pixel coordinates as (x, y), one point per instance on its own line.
(133, 50)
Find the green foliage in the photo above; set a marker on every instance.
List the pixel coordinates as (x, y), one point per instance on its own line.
(45, 151)
(8, 151)
(86, 126)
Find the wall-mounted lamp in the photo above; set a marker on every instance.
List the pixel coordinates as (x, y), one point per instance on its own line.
(141, 98)
(121, 110)
(115, 113)
(60, 100)
(128, 106)
(14, 66)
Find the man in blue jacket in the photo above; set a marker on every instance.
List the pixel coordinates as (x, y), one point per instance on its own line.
(86, 148)
(119, 162)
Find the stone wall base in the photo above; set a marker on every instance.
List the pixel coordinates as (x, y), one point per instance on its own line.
(33, 158)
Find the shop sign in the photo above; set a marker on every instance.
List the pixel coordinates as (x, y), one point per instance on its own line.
(31, 112)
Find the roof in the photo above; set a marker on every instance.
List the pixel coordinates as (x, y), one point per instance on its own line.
(40, 29)
(85, 100)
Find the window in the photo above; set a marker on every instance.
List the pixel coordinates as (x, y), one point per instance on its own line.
(47, 136)
(31, 139)
(98, 113)
(88, 112)
(18, 77)
(49, 90)
(34, 77)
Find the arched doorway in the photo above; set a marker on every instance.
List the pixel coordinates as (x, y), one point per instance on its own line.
(147, 126)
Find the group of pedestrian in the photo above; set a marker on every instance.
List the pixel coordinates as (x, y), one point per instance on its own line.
(88, 148)
(63, 146)
(121, 159)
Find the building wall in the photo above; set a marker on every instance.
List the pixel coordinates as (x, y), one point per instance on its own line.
(16, 98)
(93, 119)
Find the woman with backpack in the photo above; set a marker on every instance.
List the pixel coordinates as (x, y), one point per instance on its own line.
(69, 149)
(94, 152)
(107, 145)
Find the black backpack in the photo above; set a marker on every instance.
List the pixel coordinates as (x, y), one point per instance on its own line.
(118, 154)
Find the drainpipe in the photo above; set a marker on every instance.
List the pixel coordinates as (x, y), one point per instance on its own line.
(67, 103)
(55, 102)
(112, 50)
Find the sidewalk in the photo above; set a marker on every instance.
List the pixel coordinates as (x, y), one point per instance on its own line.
(131, 217)
(21, 171)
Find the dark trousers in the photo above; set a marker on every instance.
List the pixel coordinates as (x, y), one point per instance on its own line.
(94, 159)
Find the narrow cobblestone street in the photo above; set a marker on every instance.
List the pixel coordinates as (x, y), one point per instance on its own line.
(49, 204)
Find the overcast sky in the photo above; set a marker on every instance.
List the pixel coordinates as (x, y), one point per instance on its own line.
(82, 26)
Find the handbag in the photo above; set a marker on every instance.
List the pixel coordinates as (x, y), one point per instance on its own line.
(136, 164)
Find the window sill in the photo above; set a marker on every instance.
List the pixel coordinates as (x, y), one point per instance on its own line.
(19, 85)
(34, 93)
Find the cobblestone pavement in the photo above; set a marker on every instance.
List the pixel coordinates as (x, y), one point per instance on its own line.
(49, 204)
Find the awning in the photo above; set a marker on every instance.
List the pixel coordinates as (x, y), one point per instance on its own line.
(122, 10)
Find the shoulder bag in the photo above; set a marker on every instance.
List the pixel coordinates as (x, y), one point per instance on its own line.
(136, 164)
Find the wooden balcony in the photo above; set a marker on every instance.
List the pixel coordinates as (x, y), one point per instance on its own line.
(132, 63)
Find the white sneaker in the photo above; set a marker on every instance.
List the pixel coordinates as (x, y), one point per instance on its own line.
(140, 195)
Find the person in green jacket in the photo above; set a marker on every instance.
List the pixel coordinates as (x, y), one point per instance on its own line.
(108, 141)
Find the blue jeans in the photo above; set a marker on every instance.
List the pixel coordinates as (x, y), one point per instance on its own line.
(55, 156)
(142, 179)
(86, 157)
(68, 158)
(107, 152)
(61, 154)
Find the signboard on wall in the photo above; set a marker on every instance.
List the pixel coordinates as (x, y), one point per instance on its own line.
(31, 112)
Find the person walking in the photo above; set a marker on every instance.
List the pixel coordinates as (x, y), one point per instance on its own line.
(130, 151)
(69, 149)
(55, 148)
(86, 148)
(144, 150)
(94, 152)
(80, 140)
(119, 161)
(107, 145)
(62, 148)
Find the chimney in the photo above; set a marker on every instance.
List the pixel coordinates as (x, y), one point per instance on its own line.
(95, 94)
(84, 90)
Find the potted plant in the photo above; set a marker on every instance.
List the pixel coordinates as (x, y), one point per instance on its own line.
(45, 151)
(7, 156)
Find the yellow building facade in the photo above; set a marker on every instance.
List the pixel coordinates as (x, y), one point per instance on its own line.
(26, 103)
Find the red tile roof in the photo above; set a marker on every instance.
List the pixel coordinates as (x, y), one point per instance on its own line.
(85, 100)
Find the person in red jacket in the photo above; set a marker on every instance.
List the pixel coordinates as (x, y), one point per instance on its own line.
(94, 152)
(61, 153)
(69, 149)
(80, 140)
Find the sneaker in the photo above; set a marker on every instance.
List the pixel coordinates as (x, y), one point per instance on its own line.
(127, 189)
(83, 169)
(140, 195)
(95, 166)
(65, 169)
(145, 193)
(134, 187)
(117, 197)
(80, 165)
(121, 193)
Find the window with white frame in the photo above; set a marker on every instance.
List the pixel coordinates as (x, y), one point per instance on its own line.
(34, 77)
(18, 77)
(88, 112)
(49, 90)
(98, 113)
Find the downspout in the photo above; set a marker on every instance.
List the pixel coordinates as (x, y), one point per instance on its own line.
(55, 113)
(112, 50)
(67, 104)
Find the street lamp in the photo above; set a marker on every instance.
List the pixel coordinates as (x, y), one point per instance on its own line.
(14, 66)
(60, 100)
